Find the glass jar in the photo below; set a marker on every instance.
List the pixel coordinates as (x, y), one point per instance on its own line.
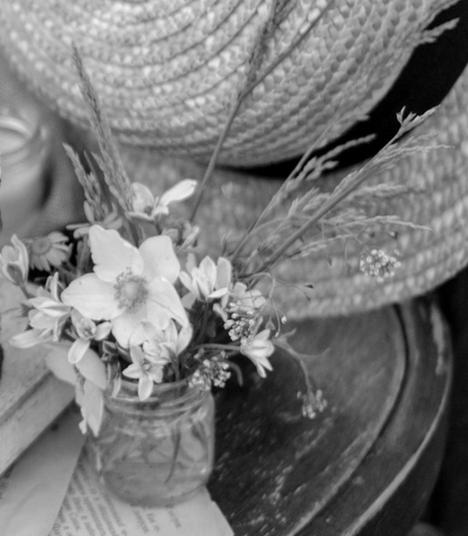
(24, 156)
(159, 451)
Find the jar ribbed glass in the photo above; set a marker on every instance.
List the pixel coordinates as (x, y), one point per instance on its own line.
(159, 451)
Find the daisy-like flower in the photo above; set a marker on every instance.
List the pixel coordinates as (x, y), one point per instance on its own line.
(147, 370)
(87, 330)
(14, 262)
(48, 251)
(129, 286)
(46, 318)
(258, 349)
(207, 281)
(148, 208)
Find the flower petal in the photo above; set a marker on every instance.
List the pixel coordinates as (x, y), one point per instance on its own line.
(128, 328)
(132, 371)
(102, 330)
(14, 261)
(92, 297)
(92, 406)
(223, 273)
(142, 198)
(179, 192)
(57, 237)
(208, 269)
(145, 387)
(159, 258)
(112, 254)
(78, 350)
(40, 320)
(164, 302)
(56, 360)
(29, 338)
(185, 336)
(259, 350)
(93, 369)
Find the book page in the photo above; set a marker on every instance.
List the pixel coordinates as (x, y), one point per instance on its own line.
(53, 490)
(88, 510)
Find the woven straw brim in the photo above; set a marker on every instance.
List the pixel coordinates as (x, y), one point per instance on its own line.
(428, 257)
(168, 71)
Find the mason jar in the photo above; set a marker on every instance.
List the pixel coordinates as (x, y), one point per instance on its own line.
(159, 451)
(24, 158)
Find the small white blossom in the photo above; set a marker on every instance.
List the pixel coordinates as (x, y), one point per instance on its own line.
(313, 404)
(166, 343)
(207, 281)
(240, 301)
(212, 371)
(147, 207)
(258, 349)
(46, 318)
(14, 262)
(87, 330)
(146, 371)
(379, 264)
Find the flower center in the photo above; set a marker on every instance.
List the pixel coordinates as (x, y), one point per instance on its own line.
(130, 291)
(41, 246)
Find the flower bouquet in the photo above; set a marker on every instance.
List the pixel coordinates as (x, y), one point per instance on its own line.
(150, 326)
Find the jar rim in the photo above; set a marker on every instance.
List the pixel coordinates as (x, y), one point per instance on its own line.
(128, 394)
(20, 126)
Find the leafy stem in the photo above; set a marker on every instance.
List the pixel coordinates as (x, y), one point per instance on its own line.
(215, 155)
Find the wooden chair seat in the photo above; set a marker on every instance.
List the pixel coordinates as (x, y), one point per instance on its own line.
(367, 464)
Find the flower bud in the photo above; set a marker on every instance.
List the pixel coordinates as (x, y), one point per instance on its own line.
(14, 262)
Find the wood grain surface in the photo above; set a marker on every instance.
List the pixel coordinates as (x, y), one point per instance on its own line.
(367, 464)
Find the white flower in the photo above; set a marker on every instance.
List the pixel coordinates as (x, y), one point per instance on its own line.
(208, 280)
(48, 251)
(14, 262)
(129, 286)
(147, 371)
(87, 330)
(46, 318)
(167, 343)
(147, 207)
(241, 301)
(379, 264)
(258, 350)
(160, 348)
(244, 300)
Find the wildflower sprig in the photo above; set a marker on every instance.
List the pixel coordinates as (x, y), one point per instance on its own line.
(273, 234)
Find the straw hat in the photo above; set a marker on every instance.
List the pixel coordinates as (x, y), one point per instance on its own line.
(428, 257)
(161, 90)
(168, 71)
